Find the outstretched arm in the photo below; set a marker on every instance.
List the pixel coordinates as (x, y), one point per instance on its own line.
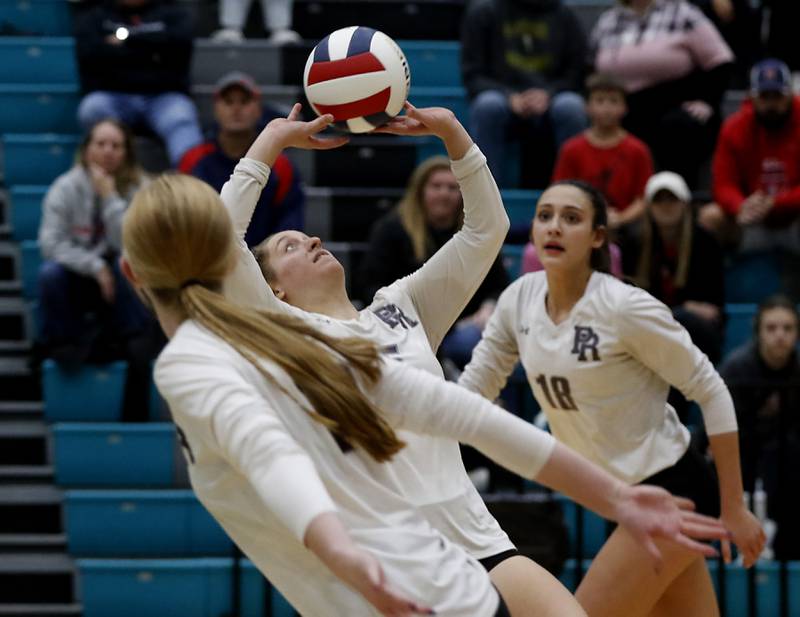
(417, 401)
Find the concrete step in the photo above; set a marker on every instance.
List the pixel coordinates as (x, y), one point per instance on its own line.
(33, 543)
(30, 509)
(27, 474)
(41, 610)
(37, 578)
(18, 382)
(23, 443)
(21, 410)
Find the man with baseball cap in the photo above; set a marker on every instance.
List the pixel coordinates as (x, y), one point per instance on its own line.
(756, 167)
(239, 116)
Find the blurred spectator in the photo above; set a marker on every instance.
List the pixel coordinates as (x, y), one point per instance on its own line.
(133, 59)
(757, 165)
(739, 22)
(764, 379)
(605, 155)
(674, 65)
(678, 262)
(238, 112)
(522, 63)
(277, 15)
(430, 212)
(89, 312)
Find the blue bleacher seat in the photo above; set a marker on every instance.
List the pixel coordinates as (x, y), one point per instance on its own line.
(104, 454)
(36, 60)
(26, 210)
(30, 108)
(594, 528)
(29, 268)
(454, 98)
(50, 17)
(569, 574)
(433, 63)
(520, 205)
(252, 595)
(141, 523)
(738, 326)
(91, 393)
(752, 277)
(767, 588)
(37, 159)
(512, 259)
(134, 588)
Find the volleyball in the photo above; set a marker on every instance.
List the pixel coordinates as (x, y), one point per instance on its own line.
(359, 75)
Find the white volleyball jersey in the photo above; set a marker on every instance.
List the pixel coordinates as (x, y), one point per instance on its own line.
(407, 319)
(265, 469)
(603, 374)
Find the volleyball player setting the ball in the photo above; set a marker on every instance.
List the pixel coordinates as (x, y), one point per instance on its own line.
(286, 431)
(600, 356)
(408, 318)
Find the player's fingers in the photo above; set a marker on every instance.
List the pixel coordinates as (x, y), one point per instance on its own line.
(684, 503)
(696, 517)
(294, 113)
(320, 124)
(695, 546)
(726, 551)
(328, 143)
(653, 551)
(703, 531)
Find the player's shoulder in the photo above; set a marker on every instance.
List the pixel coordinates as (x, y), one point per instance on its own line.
(193, 342)
(617, 296)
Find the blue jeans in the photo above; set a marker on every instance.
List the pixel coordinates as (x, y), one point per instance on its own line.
(71, 306)
(492, 124)
(172, 116)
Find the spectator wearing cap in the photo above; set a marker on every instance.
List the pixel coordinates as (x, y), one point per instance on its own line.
(675, 66)
(238, 113)
(757, 165)
(133, 59)
(677, 261)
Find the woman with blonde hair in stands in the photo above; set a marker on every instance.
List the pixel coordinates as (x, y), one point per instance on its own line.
(287, 432)
(429, 214)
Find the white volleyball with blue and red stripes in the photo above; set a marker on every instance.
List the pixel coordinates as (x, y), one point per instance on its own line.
(359, 75)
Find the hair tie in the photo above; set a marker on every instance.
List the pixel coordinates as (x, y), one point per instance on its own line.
(189, 282)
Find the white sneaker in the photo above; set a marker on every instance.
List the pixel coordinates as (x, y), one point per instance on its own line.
(227, 35)
(284, 37)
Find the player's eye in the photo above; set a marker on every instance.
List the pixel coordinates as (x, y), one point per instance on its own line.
(542, 215)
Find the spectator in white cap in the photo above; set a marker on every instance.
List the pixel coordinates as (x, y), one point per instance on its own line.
(678, 262)
(240, 115)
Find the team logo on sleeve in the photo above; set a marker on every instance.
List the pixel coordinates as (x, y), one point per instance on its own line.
(394, 316)
(585, 341)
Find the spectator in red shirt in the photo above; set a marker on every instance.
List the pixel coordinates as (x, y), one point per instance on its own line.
(757, 165)
(606, 155)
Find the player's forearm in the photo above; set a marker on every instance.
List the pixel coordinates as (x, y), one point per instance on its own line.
(584, 482)
(725, 447)
(456, 140)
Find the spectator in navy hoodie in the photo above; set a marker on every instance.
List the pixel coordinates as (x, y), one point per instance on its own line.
(134, 58)
(239, 115)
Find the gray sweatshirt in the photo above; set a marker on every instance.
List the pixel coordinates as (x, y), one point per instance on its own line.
(66, 230)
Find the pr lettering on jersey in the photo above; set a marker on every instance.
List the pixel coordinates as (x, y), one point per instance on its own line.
(393, 316)
(585, 340)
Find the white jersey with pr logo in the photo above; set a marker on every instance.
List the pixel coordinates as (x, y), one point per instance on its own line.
(408, 320)
(603, 374)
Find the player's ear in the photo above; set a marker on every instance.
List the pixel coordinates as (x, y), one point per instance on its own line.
(599, 236)
(279, 293)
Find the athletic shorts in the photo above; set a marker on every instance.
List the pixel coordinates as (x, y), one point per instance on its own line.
(490, 562)
(693, 477)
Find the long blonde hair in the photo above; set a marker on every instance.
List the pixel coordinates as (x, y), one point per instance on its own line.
(179, 240)
(411, 208)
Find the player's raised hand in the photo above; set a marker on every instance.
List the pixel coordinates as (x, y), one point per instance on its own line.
(746, 532)
(437, 121)
(291, 132)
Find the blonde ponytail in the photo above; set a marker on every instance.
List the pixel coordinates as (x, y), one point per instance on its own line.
(179, 240)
